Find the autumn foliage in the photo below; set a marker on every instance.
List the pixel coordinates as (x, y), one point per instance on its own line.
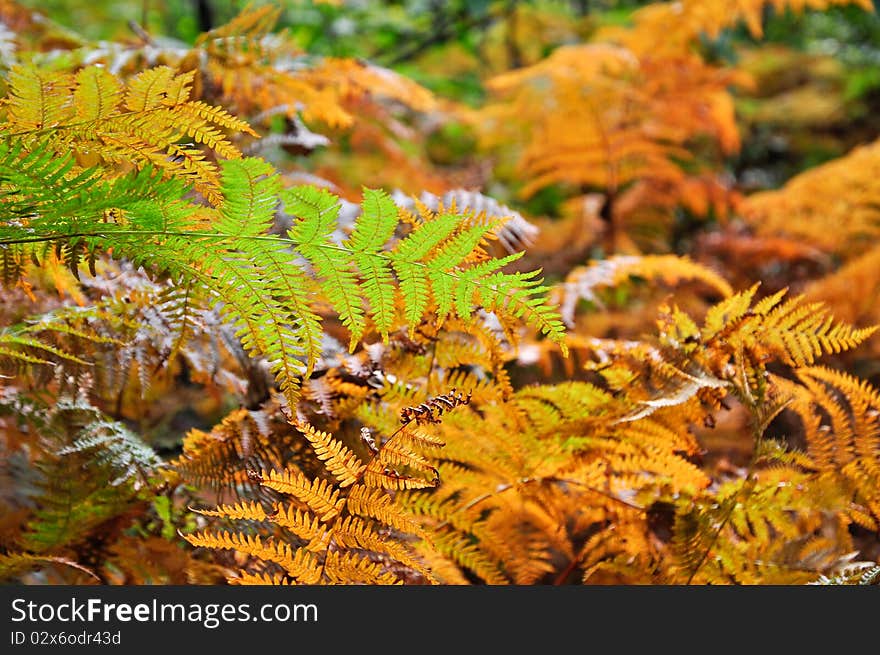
(268, 318)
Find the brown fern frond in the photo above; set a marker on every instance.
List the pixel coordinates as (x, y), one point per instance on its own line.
(582, 283)
(431, 410)
(244, 440)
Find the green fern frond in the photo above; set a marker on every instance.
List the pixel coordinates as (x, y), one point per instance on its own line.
(16, 346)
(376, 225)
(269, 287)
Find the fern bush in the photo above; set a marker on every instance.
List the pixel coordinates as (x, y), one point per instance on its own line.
(215, 369)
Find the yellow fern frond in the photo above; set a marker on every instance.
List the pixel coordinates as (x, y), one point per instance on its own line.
(792, 331)
(377, 504)
(380, 476)
(141, 123)
(317, 494)
(350, 568)
(839, 414)
(298, 564)
(339, 460)
(311, 529)
(97, 94)
(38, 99)
(248, 511)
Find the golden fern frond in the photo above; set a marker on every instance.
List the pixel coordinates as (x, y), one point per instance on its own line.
(800, 332)
(354, 532)
(351, 568)
(551, 458)
(318, 495)
(609, 150)
(244, 440)
(350, 526)
(298, 564)
(310, 528)
(839, 414)
(758, 530)
(739, 338)
(612, 145)
(345, 466)
(246, 511)
(380, 476)
(377, 504)
(142, 122)
(832, 206)
(792, 331)
(633, 456)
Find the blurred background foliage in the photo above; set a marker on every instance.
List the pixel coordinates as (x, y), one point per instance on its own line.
(817, 73)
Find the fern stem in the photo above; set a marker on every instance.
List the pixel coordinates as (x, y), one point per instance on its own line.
(70, 126)
(212, 235)
(758, 428)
